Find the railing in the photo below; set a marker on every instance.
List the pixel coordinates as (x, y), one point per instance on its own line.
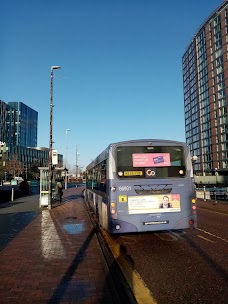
(212, 193)
(211, 180)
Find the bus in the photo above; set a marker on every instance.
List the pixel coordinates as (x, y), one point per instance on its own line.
(142, 185)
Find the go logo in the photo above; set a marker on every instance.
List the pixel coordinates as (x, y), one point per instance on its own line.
(150, 172)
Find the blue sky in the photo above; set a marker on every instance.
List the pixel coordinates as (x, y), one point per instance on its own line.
(121, 68)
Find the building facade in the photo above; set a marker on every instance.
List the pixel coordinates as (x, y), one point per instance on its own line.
(4, 108)
(18, 137)
(205, 83)
(22, 122)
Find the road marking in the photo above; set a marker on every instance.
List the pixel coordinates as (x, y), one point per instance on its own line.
(206, 239)
(139, 289)
(211, 234)
(214, 211)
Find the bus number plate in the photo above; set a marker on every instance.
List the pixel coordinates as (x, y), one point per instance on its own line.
(124, 188)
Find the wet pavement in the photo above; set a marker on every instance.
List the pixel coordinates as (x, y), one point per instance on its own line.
(56, 257)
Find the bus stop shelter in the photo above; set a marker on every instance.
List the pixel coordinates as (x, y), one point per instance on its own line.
(58, 174)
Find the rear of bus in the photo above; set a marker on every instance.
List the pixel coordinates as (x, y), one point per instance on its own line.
(151, 186)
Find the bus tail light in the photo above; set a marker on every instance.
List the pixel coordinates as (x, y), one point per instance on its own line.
(113, 210)
(193, 209)
(191, 222)
(193, 206)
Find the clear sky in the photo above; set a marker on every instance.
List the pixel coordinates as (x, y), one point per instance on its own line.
(121, 68)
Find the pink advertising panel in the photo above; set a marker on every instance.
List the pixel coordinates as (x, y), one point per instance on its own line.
(151, 159)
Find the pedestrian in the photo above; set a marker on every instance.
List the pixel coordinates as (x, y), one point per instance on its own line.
(24, 187)
(59, 190)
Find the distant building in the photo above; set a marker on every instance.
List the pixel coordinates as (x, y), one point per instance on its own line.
(18, 136)
(205, 82)
(4, 108)
(23, 123)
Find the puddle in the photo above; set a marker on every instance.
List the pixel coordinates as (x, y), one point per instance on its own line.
(73, 228)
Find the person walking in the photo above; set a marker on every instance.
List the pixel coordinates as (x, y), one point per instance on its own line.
(59, 191)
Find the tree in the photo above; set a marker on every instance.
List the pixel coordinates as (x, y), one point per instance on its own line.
(2, 169)
(34, 171)
(14, 166)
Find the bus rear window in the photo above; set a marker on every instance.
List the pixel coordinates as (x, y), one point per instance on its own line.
(150, 162)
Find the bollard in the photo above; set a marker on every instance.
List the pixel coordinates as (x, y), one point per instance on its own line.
(12, 195)
(204, 193)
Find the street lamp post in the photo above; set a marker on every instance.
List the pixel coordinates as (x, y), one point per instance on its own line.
(76, 175)
(67, 130)
(215, 188)
(194, 159)
(50, 171)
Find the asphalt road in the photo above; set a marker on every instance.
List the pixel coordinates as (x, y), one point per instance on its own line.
(183, 267)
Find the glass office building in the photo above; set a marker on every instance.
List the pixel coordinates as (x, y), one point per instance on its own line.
(4, 108)
(23, 122)
(18, 136)
(205, 83)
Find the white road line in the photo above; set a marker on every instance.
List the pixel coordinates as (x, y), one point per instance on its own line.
(211, 234)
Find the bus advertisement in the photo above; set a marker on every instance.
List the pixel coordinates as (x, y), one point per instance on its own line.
(142, 185)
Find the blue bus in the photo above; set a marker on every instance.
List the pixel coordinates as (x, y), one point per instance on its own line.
(142, 185)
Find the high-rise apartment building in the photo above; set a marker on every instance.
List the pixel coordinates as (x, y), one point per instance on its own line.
(205, 82)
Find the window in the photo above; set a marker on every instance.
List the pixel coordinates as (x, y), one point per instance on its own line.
(96, 179)
(165, 161)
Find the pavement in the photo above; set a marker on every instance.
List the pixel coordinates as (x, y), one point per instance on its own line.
(54, 256)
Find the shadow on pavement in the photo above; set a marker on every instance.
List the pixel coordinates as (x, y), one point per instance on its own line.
(12, 223)
(66, 279)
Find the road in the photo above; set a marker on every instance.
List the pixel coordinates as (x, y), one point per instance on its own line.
(183, 267)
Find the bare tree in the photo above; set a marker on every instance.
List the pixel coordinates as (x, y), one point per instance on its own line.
(14, 166)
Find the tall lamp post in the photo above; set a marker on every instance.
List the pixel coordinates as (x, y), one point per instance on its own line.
(194, 159)
(50, 171)
(76, 175)
(215, 187)
(67, 130)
